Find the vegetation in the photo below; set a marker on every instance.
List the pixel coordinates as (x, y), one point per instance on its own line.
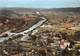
(47, 40)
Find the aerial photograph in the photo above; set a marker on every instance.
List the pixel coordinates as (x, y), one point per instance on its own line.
(39, 27)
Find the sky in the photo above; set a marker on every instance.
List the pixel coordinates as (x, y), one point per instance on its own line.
(40, 3)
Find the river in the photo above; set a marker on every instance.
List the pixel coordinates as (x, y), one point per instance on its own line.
(43, 19)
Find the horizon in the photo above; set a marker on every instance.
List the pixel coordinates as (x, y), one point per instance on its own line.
(37, 8)
(39, 3)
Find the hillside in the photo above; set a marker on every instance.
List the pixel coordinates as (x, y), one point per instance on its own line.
(12, 18)
(19, 9)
